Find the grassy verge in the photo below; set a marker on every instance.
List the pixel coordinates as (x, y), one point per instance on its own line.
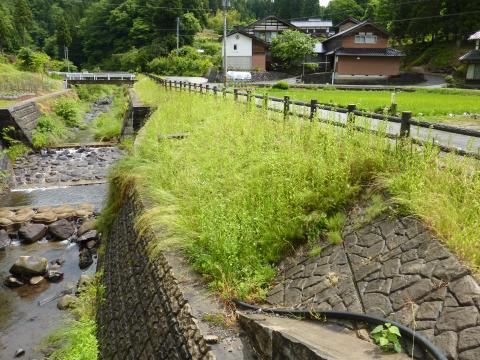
(77, 338)
(245, 187)
(108, 126)
(423, 102)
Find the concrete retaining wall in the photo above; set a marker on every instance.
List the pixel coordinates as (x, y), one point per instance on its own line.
(136, 115)
(24, 116)
(144, 315)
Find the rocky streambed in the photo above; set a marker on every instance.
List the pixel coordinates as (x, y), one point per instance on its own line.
(45, 253)
(66, 166)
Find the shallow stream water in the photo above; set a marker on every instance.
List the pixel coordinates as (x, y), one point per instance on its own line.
(23, 322)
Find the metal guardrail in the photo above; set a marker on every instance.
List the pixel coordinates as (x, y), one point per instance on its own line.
(405, 120)
(95, 76)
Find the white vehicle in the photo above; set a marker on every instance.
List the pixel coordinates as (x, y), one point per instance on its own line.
(239, 76)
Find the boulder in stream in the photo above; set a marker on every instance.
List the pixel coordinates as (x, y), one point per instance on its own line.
(36, 280)
(54, 276)
(31, 233)
(13, 282)
(61, 229)
(86, 259)
(86, 227)
(45, 217)
(4, 239)
(65, 302)
(89, 235)
(28, 266)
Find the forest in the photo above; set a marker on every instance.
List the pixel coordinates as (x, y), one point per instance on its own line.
(130, 34)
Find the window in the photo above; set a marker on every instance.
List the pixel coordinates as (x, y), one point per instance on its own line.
(360, 38)
(235, 48)
(365, 38)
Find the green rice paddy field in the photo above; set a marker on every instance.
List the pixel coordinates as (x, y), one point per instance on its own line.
(435, 104)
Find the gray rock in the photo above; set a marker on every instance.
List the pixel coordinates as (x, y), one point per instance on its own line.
(86, 259)
(465, 289)
(447, 341)
(29, 266)
(85, 280)
(13, 282)
(89, 235)
(4, 239)
(65, 302)
(54, 276)
(61, 229)
(456, 319)
(211, 339)
(473, 354)
(469, 338)
(85, 227)
(31, 233)
(19, 353)
(36, 280)
(429, 310)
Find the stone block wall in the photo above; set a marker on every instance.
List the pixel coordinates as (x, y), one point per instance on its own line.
(144, 314)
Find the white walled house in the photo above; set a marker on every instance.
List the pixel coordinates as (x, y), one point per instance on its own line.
(245, 51)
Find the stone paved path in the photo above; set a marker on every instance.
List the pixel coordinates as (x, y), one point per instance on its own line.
(391, 268)
(66, 166)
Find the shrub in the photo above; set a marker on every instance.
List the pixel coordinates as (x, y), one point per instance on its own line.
(33, 61)
(67, 110)
(50, 130)
(187, 62)
(15, 148)
(282, 85)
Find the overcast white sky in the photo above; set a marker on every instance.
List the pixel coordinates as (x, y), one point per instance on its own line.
(324, 2)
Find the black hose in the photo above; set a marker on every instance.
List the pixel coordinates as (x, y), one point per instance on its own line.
(406, 332)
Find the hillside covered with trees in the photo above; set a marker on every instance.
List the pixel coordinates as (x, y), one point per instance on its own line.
(141, 34)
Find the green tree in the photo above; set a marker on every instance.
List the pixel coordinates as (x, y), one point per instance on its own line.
(339, 10)
(6, 30)
(63, 36)
(292, 47)
(23, 20)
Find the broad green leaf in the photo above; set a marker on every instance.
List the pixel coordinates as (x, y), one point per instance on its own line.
(377, 330)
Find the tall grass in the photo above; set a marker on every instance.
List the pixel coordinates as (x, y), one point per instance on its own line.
(246, 187)
(13, 80)
(107, 126)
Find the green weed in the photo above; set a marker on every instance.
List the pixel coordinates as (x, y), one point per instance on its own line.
(50, 130)
(107, 126)
(246, 187)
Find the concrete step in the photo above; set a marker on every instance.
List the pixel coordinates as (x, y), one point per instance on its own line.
(284, 338)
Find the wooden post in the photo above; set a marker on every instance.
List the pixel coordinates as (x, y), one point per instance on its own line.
(350, 115)
(201, 89)
(286, 106)
(175, 84)
(224, 91)
(265, 101)
(207, 87)
(249, 96)
(170, 84)
(405, 124)
(313, 109)
(194, 87)
(189, 87)
(215, 90)
(235, 94)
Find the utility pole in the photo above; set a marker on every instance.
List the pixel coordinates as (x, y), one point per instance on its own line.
(226, 3)
(65, 53)
(178, 34)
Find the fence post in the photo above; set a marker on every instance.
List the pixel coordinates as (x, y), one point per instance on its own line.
(215, 90)
(201, 89)
(170, 84)
(265, 101)
(286, 106)
(235, 94)
(350, 115)
(313, 109)
(405, 124)
(207, 87)
(189, 87)
(165, 84)
(224, 91)
(249, 97)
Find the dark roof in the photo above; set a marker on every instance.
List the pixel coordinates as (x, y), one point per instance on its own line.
(389, 52)
(273, 17)
(473, 55)
(243, 32)
(357, 27)
(349, 19)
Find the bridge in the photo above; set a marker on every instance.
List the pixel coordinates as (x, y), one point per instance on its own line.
(114, 78)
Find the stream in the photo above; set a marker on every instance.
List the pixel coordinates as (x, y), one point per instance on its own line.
(61, 184)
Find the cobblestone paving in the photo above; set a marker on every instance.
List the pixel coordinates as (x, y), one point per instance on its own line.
(391, 268)
(65, 166)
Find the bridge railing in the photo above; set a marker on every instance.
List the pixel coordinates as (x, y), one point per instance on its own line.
(310, 109)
